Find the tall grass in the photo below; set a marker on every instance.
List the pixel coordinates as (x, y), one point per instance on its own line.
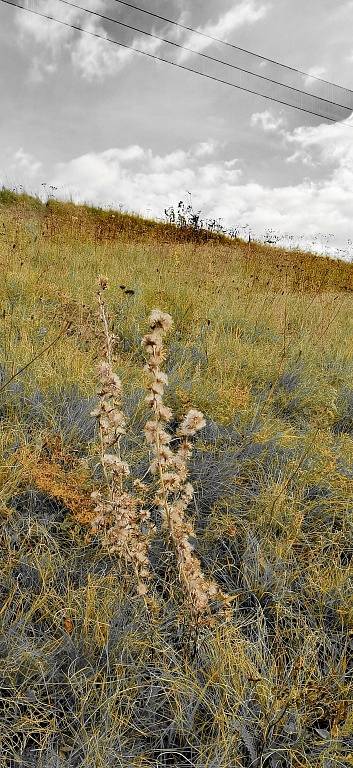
(91, 674)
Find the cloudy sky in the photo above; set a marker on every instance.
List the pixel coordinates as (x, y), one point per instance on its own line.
(107, 125)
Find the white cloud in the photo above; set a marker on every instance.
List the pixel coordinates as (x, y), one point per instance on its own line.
(92, 57)
(95, 59)
(43, 31)
(313, 73)
(242, 13)
(231, 163)
(205, 149)
(26, 163)
(143, 180)
(40, 69)
(267, 121)
(300, 156)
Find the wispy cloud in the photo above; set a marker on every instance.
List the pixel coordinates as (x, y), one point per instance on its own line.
(93, 58)
(242, 13)
(48, 33)
(313, 73)
(267, 121)
(26, 163)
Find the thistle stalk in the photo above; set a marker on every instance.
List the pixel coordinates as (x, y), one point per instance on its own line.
(120, 516)
(174, 492)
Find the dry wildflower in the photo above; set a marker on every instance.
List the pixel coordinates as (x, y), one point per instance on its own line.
(118, 467)
(174, 492)
(103, 283)
(110, 382)
(160, 320)
(165, 413)
(120, 517)
(152, 428)
(152, 342)
(193, 422)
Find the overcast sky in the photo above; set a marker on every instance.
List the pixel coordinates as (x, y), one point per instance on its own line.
(107, 125)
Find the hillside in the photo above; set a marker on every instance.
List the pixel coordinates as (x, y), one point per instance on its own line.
(262, 345)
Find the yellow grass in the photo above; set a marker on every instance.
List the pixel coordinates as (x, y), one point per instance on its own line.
(263, 346)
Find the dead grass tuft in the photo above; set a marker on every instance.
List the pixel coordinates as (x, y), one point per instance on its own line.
(61, 476)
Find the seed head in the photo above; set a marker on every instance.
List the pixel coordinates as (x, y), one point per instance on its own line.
(160, 320)
(103, 283)
(112, 462)
(193, 422)
(152, 342)
(164, 413)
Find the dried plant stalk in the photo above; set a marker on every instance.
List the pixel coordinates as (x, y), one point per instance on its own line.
(120, 516)
(174, 492)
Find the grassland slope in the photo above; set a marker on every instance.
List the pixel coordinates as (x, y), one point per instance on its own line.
(262, 345)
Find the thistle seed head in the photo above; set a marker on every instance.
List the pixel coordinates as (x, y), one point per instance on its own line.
(193, 422)
(160, 320)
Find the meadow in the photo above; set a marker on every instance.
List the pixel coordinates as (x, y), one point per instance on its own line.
(94, 674)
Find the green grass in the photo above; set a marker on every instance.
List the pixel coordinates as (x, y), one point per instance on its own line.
(263, 346)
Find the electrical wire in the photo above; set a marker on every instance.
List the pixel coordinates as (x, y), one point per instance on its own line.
(202, 55)
(171, 63)
(229, 45)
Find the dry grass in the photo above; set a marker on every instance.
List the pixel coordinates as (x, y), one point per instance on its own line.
(263, 347)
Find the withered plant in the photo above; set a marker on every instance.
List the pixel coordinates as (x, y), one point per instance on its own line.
(170, 467)
(121, 515)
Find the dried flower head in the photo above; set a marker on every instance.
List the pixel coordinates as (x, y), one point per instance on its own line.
(115, 464)
(103, 283)
(110, 381)
(121, 517)
(160, 320)
(164, 413)
(193, 422)
(153, 432)
(152, 342)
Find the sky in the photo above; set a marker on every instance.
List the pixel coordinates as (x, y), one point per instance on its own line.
(106, 125)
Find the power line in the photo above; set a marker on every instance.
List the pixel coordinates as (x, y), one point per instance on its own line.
(230, 45)
(202, 55)
(167, 61)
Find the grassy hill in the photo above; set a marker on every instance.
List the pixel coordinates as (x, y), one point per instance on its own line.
(93, 675)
